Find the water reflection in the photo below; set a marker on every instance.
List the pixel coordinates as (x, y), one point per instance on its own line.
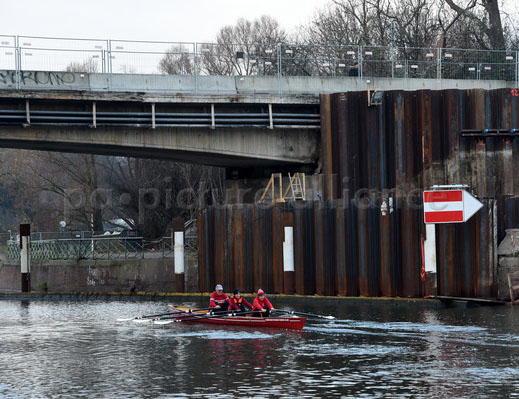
(79, 350)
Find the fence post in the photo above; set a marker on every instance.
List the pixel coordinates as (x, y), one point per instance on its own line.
(361, 72)
(279, 67)
(439, 67)
(109, 56)
(516, 68)
(196, 65)
(393, 49)
(17, 61)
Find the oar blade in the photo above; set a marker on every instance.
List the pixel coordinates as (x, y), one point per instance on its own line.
(163, 322)
(142, 320)
(127, 319)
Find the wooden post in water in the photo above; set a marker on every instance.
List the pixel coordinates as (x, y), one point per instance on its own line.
(288, 261)
(25, 256)
(178, 234)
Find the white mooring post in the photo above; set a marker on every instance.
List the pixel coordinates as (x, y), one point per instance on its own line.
(288, 261)
(430, 253)
(25, 256)
(179, 261)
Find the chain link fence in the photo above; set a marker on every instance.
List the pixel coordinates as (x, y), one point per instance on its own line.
(106, 248)
(30, 53)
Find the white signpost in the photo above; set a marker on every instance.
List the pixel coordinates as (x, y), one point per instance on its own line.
(444, 205)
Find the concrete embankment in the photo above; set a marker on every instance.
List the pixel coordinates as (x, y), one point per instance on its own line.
(202, 299)
(121, 275)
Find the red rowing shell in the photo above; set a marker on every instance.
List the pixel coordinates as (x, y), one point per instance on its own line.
(291, 322)
(295, 323)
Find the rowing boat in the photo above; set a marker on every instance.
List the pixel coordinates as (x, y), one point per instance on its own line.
(290, 322)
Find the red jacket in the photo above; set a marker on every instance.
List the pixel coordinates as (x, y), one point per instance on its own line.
(233, 302)
(218, 299)
(258, 305)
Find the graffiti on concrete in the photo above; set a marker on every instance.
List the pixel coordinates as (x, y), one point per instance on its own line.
(39, 78)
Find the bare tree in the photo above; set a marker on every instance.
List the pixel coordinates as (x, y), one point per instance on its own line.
(247, 48)
(178, 60)
(149, 193)
(87, 66)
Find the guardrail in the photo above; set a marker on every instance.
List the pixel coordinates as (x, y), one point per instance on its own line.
(102, 248)
(30, 53)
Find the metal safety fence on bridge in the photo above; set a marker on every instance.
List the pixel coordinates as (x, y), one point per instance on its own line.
(31, 53)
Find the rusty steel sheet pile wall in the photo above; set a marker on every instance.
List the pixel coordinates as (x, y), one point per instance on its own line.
(414, 140)
(365, 237)
(340, 248)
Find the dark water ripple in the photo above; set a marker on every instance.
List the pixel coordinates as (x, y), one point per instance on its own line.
(80, 350)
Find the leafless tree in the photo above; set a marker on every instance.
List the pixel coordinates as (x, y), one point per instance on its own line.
(87, 66)
(178, 60)
(149, 193)
(247, 48)
(484, 16)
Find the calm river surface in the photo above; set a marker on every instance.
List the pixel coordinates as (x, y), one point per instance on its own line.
(80, 350)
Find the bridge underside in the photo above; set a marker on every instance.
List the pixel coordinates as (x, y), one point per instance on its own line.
(226, 148)
(236, 135)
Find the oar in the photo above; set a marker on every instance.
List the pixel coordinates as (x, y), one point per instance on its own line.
(305, 314)
(148, 316)
(185, 314)
(152, 316)
(166, 320)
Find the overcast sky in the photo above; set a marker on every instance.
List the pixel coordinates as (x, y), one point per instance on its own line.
(161, 20)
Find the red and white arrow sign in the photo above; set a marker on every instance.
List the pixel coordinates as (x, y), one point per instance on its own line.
(449, 206)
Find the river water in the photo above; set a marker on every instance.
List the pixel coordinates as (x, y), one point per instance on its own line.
(80, 350)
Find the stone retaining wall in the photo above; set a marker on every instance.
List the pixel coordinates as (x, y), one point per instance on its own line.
(148, 275)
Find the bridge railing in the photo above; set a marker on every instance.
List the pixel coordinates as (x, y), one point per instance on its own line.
(102, 248)
(31, 53)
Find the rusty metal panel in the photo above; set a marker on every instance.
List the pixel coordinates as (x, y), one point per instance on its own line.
(341, 251)
(277, 249)
(329, 249)
(299, 245)
(374, 253)
(466, 261)
(319, 250)
(248, 275)
(238, 248)
(352, 254)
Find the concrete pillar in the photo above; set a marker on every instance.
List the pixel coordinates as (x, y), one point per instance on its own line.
(430, 260)
(178, 235)
(25, 256)
(288, 261)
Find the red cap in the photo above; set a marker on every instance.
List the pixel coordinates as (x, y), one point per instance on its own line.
(261, 292)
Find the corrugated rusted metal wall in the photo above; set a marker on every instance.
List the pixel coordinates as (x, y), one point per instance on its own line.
(413, 141)
(382, 156)
(340, 248)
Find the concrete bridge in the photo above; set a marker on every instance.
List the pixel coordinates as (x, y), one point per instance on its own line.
(225, 130)
(242, 122)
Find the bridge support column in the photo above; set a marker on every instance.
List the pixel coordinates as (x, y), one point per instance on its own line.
(178, 234)
(25, 256)
(288, 261)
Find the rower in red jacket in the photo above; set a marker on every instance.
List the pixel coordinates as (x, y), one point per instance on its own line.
(262, 305)
(219, 300)
(239, 303)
